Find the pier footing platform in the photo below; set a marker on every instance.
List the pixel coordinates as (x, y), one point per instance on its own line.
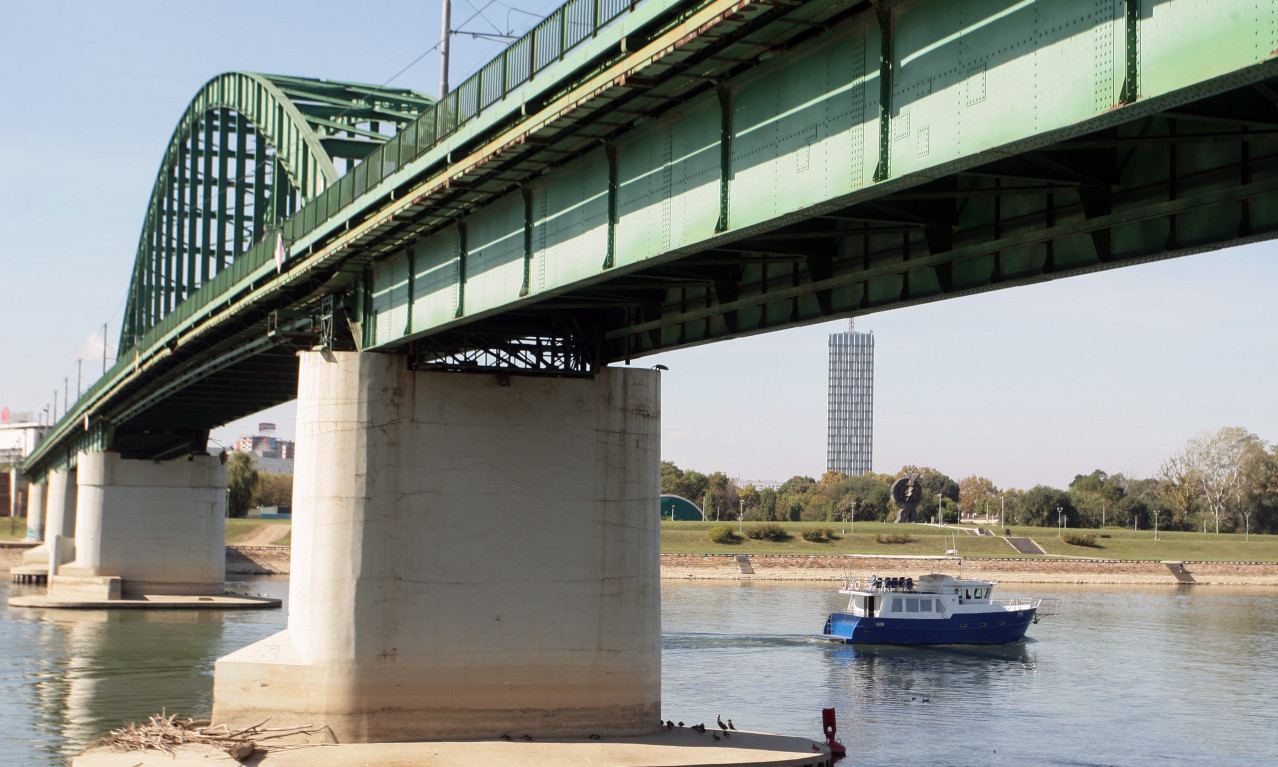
(668, 748)
(148, 602)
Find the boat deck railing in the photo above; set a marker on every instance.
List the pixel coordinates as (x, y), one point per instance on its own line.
(875, 583)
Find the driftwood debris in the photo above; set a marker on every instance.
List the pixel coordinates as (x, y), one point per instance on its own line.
(167, 733)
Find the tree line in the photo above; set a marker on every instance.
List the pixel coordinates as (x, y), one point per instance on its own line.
(248, 488)
(1223, 481)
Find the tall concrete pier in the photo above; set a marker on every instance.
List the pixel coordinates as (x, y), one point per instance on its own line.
(469, 558)
(159, 526)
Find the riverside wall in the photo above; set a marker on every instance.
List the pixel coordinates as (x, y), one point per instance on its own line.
(1009, 570)
(274, 560)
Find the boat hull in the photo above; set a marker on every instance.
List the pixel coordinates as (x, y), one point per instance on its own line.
(997, 627)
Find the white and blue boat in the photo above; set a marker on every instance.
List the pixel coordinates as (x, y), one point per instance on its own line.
(938, 609)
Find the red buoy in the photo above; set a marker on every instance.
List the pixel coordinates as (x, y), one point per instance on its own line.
(827, 719)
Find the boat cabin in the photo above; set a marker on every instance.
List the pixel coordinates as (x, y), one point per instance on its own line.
(933, 596)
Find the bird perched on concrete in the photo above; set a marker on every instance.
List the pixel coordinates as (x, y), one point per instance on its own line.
(730, 726)
(719, 718)
(681, 724)
(594, 737)
(669, 725)
(700, 728)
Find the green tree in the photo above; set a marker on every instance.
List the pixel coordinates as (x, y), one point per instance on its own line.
(768, 504)
(972, 491)
(241, 481)
(750, 497)
(1038, 507)
(273, 489)
(797, 485)
(1219, 467)
(832, 477)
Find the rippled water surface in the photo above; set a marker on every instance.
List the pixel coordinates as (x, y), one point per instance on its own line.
(1125, 676)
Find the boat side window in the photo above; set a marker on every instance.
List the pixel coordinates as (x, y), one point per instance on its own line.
(978, 593)
(940, 608)
(967, 593)
(896, 604)
(911, 605)
(925, 605)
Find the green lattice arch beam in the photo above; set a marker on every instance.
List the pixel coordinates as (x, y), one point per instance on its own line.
(248, 152)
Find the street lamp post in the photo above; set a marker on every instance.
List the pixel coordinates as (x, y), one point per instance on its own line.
(1002, 506)
(1247, 522)
(1156, 513)
(1058, 521)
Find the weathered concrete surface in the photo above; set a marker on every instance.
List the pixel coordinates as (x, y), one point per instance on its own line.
(35, 511)
(59, 520)
(673, 748)
(469, 559)
(159, 526)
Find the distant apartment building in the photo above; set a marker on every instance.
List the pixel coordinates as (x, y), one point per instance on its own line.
(270, 453)
(850, 402)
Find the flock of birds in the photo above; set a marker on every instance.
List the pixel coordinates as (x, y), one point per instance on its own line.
(700, 729)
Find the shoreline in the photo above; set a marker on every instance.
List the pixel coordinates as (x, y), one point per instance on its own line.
(800, 567)
(274, 560)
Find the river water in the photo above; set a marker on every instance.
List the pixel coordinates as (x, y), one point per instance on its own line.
(1124, 676)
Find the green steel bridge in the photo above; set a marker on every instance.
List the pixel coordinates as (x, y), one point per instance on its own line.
(638, 176)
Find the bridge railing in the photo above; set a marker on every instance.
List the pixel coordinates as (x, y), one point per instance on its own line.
(573, 23)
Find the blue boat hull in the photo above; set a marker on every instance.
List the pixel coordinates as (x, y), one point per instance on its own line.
(997, 627)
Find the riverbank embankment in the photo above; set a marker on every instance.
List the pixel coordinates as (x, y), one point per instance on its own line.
(798, 567)
(274, 560)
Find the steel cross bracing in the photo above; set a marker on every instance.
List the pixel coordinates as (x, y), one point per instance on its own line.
(705, 170)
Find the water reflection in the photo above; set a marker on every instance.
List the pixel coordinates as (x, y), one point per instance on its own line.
(1124, 676)
(84, 672)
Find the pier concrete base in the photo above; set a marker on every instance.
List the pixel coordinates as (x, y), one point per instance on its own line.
(160, 527)
(469, 559)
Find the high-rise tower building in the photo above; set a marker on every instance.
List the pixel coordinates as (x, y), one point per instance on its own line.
(850, 403)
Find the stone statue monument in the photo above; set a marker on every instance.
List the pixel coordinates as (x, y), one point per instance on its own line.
(906, 494)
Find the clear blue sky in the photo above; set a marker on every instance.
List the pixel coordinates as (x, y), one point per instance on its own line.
(1026, 386)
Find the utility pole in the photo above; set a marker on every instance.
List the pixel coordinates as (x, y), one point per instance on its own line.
(443, 49)
(1156, 513)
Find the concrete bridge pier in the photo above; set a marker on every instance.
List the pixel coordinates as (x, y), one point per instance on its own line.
(59, 521)
(35, 511)
(470, 558)
(157, 526)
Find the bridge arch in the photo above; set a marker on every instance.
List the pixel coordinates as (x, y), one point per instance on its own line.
(249, 150)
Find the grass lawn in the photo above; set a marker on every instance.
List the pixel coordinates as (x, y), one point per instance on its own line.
(691, 538)
(13, 529)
